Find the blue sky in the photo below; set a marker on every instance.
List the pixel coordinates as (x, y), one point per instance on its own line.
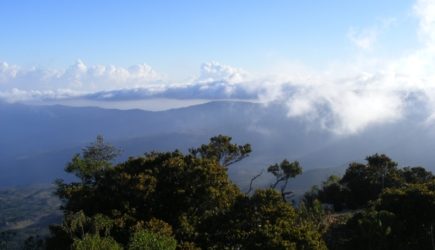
(361, 61)
(167, 34)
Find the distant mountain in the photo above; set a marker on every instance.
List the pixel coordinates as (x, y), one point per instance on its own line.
(37, 141)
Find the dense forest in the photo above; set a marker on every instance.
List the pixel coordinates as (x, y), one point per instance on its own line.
(176, 200)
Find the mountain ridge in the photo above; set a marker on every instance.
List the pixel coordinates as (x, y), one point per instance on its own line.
(37, 141)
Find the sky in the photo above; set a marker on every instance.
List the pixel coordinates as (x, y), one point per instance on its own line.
(166, 34)
(364, 62)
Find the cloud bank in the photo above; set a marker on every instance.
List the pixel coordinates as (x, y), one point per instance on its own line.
(344, 98)
(79, 77)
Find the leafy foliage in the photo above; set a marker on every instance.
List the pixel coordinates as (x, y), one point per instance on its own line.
(402, 218)
(167, 199)
(263, 221)
(171, 200)
(95, 242)
(283, 172)
(222, 150)
(94, 160)
(366, 182)
(399, 206)
(416, 175)
(363, 183)
(146, 240)
(414, 207)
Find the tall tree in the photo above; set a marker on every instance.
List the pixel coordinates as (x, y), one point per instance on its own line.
(222, 150)
(366, 181)
(283, 172)
(94, 159)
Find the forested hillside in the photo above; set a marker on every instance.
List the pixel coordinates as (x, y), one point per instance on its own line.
(26, 212)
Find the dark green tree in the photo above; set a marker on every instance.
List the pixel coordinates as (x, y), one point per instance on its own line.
(414, 207)
(94, 159)
(364, 182)
(181, 190)
(283, 172)
(146, 240)
(366, 230)
(262, 221)
(95, 242)
(382, 170)
(174, 195)
(222, 150)
(416, 175)
(402, 218)
(333, 193)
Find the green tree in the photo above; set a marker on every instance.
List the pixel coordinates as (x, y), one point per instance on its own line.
(95, 242)
(283, 172)
(262, 221)
(399, 206)
(94, 160)
(416, 175)
(402, 218)
(179, 189)
(364, 182)
(414, 207)
(314, 213)
(162, 196)
(366, 230)
(334, 193)
(222, 150)
(146, 240)
(382, 168)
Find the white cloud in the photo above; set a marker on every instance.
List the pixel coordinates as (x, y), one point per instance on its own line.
(371, 90)
(213, 72)
(425, 10)
(363, 39)
(346, 108)
(108, 82)
(77, 77)
(367, 37)
(16, 95)
(345, 97)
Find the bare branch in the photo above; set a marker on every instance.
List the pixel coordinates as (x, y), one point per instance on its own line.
(252, 181)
